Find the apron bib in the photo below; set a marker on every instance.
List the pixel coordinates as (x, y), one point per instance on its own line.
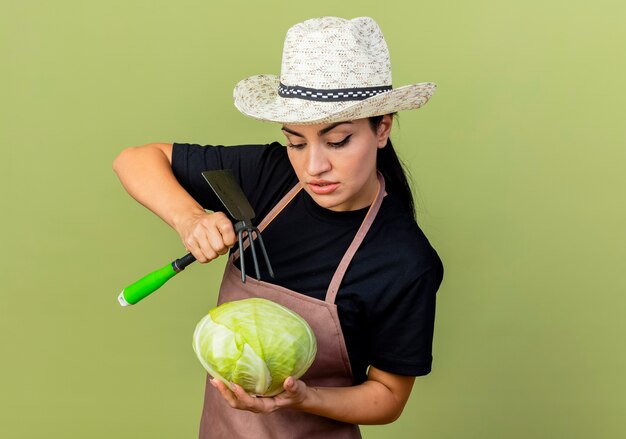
(331, 367)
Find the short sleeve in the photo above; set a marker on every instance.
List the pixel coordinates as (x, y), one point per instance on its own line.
(402, 333)
(260, 170)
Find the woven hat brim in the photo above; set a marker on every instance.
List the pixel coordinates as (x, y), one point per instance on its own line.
(257, 97)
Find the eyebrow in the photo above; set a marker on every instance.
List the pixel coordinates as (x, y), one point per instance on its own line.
(321, 132)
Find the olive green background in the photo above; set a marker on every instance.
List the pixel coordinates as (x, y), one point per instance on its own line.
(518, 162)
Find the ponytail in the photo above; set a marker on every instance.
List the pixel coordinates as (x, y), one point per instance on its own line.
(388, 163)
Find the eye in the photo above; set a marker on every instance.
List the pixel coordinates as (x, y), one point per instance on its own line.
(340, 144)
(296, 146)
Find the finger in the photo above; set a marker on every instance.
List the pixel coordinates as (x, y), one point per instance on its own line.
(226, 394)
(215, 239)
(200, 235)
(241, 395)
(244, 401)
(226, 229)
(252, 403)
(295, 389)
(203, 247)
(290, 385)
(192, 246)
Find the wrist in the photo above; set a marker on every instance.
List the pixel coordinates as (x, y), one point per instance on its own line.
(180, 221)
(310, 400)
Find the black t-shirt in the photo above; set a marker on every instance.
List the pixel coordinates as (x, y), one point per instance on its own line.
(386, 302)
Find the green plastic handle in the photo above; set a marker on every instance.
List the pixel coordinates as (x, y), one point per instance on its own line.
(146, 285)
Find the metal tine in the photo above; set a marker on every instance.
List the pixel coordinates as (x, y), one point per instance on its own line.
(254, 258)
(241, 258)
(267, 260)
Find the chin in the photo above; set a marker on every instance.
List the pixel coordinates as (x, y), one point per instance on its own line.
(325, 201)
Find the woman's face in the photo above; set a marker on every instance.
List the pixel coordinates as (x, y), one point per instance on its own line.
(336, 163)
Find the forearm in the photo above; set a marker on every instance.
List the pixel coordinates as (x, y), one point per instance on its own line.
(368, 403)
(146, 174)
(379, 400)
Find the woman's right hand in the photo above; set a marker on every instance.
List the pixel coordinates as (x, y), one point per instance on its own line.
(207, 235)
(146, 173)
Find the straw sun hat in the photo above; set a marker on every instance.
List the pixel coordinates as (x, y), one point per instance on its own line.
(332, 70)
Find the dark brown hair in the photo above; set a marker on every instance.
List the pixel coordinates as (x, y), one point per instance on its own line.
(394, 171)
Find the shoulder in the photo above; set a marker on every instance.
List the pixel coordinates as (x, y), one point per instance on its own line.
(214, 156)
(397, 235)
(262, 170)
(396, 262)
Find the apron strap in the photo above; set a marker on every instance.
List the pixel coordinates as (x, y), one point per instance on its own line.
(333, 288)
(280, 206)
(335, 282)
(271, 215)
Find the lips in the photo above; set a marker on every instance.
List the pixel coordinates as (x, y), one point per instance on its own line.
(322, 187)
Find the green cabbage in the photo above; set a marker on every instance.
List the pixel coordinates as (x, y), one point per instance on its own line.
(254, 343)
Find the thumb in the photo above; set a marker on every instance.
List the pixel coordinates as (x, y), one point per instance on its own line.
(290, 385)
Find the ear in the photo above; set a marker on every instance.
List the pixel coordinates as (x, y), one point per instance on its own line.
(384, 130)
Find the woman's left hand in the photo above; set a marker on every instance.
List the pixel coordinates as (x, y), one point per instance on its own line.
(379, 400)
(294, 394)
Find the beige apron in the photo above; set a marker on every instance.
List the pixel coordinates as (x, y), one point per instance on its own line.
(331, 367)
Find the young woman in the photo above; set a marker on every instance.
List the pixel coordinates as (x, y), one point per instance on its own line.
(338, 223)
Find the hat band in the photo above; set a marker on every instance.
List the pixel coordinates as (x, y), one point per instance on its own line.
(335, 95)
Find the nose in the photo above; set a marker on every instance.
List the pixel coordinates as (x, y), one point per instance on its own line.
(317, 160)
